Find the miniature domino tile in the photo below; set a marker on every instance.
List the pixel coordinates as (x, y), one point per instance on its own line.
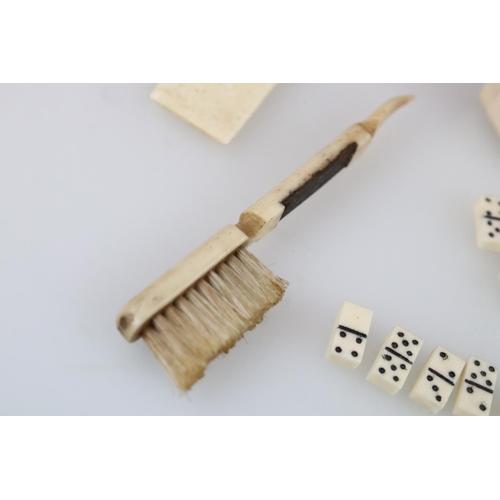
(475, 389)
(435, 383)
(348, 340)
(487, 215)
(219, 110)
(490, 99)
(395, 360)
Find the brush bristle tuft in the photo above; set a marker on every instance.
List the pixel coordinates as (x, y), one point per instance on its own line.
(212, 316)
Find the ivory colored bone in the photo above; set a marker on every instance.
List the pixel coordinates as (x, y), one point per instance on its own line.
(487, 216)
(254, 223)
(490, 98)
(138, 311)
(264, 215)
(476, 388)
(395, 360)
(218, 109)
(350, 334)
(437, 379)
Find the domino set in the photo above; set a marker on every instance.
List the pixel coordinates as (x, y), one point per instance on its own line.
(487, 216)
(443, 370)
(347, 345)
(475, 389)
(436, 381)
(395, 360)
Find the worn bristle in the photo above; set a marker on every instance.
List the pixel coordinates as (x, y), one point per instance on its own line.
(212, 316)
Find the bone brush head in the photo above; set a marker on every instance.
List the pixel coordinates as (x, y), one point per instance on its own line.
(202, 306)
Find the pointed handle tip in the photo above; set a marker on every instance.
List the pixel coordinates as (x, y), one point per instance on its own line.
(373, 122)
(405, 99)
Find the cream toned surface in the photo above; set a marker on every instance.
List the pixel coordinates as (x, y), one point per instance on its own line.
(487, 215)
(219, 110)
(113, 190)
(347, 348)
(264, 215)
(438, 378)
(476, 389)
(177, 280)
(395, 360)
(490, 98)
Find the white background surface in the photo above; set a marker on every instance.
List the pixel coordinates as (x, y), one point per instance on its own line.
(102, 190)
